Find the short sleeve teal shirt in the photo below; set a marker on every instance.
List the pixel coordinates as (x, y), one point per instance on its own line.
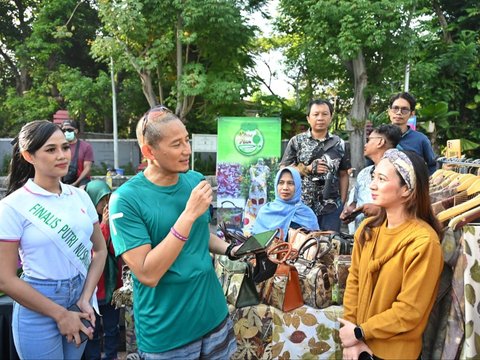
(188, 301)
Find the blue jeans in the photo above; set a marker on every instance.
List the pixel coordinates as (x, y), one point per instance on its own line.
(108, 322)
(331, 221)
(36, 336)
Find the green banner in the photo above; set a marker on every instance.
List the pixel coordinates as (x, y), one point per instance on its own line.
(248, 152)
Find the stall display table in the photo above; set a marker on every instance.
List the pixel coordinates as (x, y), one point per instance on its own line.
(264, 332)
(7, 348)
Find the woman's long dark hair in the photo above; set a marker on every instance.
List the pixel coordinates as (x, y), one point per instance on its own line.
(418, 204)
(31, 137)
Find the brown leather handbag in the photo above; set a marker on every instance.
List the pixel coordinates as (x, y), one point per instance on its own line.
(283, 289)
(298, 237)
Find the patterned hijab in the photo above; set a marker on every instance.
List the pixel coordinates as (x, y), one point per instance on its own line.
(280, 213)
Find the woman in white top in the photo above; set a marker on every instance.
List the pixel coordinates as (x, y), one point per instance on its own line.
(54, 228)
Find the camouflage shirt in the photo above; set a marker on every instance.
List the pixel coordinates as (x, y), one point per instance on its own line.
(320, 192)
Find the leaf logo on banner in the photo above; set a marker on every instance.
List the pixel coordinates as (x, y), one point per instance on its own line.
(249, 140)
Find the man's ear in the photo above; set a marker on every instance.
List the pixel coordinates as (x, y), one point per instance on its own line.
(381, 143)
(27, 156)
(147, 152)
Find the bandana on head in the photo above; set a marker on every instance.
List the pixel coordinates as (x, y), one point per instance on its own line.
(403, 165)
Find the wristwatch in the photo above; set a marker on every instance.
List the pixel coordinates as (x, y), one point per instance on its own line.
(359, 335)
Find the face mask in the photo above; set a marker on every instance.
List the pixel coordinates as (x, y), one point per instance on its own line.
(69, 135)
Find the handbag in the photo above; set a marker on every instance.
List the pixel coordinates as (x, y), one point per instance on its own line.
(317, 275)
(232, 216)
(236, 278)
(264, 268)
(342, 265)
(298, 237)
(283, 289)
(342, 243)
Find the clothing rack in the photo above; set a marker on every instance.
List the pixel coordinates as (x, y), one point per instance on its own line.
(466, 165)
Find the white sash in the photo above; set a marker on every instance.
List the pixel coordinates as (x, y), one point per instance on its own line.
(70, 238)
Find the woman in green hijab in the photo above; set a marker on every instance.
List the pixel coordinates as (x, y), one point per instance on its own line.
(110, 280)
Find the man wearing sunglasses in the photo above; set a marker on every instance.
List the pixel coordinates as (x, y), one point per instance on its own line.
(82, 156)
(401, 108)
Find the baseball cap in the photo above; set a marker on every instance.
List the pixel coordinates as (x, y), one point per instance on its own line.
(69, 123)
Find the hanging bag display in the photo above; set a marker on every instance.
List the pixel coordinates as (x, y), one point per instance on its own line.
(236, 278)
(317, 275)
(232, 216)
(283, 289)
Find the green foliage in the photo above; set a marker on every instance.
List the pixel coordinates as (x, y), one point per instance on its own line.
(213, 38)
(438, 114)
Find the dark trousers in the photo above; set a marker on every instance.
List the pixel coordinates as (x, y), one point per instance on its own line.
(107, 325)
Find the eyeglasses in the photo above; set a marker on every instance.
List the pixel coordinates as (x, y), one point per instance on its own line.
(68, 129)
(155, 109)
(403, 110)
(372, 137)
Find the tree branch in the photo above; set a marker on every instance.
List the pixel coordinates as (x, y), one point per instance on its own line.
(447, 37)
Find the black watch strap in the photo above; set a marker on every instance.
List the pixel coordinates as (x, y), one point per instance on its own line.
(359, 335)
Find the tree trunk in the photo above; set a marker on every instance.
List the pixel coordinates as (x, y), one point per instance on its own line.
(447, 37)
(179, 110)
(147, 88)
(358, 113)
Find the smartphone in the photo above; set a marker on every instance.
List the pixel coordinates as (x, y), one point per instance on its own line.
(257, 242)
(87, 323)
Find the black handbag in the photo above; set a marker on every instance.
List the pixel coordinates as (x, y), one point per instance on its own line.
(342, 242)
(264, 268)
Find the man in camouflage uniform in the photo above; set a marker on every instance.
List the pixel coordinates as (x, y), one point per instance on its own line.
(323, 160)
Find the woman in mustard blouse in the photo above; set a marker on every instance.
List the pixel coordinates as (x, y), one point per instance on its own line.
(396, 265)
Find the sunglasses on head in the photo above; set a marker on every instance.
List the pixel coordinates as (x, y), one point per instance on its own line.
(155, 109)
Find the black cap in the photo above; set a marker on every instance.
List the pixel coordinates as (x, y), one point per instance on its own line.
(69, 123)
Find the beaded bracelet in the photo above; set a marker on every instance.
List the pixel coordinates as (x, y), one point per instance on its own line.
(177, 235)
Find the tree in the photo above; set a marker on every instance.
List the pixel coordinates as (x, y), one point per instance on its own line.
(40, 41)
(445, 65)
(182, 50)
(343, 46)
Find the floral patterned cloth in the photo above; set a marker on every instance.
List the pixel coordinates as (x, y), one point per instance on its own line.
(264, 332)
(471, 276)
(453, 331)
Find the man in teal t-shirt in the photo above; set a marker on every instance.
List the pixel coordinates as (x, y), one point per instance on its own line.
(159, 223)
